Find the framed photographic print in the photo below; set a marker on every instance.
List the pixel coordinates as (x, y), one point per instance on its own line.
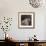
(26, 20)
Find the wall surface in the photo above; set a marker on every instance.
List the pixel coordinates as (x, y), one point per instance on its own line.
(10, 8)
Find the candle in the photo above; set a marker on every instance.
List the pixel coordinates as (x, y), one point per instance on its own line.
(6, 35)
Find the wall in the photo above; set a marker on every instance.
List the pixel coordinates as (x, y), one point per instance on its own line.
(11, 8)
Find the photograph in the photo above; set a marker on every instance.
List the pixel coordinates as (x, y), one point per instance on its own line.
(26, 19)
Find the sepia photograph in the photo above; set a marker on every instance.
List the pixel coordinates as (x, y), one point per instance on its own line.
(26, 19)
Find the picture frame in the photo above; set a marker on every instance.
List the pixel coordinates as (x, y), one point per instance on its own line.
(26, 20)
